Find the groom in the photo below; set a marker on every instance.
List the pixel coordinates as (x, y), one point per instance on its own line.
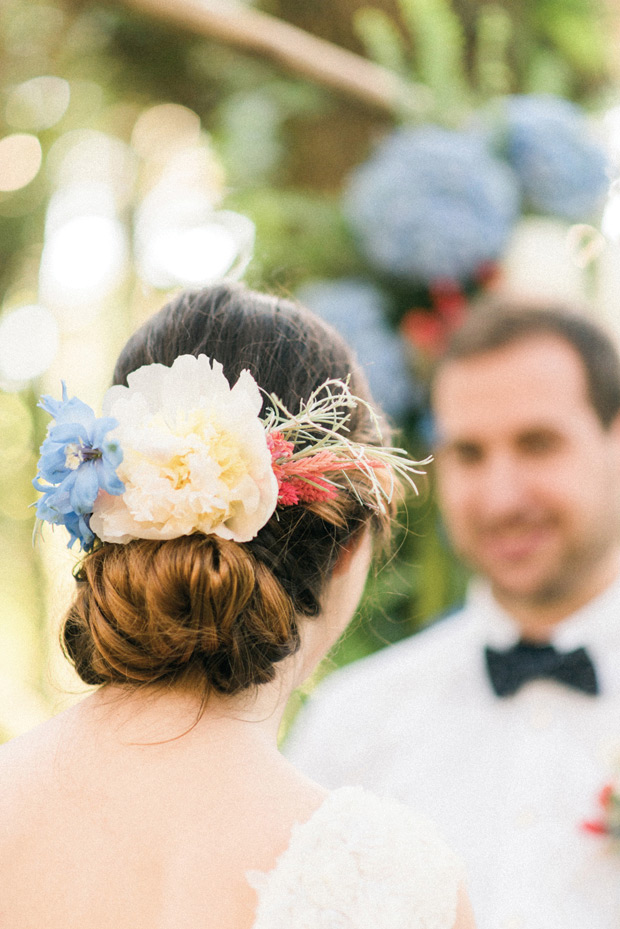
(502, 722)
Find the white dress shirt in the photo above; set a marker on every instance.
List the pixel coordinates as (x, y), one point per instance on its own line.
(509, 780)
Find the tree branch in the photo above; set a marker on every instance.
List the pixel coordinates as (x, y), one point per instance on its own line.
(294, 49)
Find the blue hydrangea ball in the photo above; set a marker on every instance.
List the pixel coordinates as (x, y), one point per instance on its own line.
(432, 204)
(562, 171)
(356, 308)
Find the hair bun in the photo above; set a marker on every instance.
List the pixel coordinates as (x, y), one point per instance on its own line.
(150, 610)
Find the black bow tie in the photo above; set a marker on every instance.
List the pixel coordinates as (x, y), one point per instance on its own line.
(527, 661)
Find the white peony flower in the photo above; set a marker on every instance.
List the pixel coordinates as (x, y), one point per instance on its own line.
(195, 455)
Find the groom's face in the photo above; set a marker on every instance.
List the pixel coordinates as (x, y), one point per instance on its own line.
(529, 477)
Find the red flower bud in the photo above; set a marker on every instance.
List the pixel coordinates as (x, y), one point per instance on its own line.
(425, 331)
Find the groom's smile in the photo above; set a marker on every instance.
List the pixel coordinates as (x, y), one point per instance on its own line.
(527, 471)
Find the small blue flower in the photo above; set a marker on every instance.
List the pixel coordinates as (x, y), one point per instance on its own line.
(76, 463)
(562, 170)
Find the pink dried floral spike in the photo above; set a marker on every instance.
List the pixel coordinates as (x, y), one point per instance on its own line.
(307, 492)
(310, 448)
(278, 446)
(302, 480)
(280, 451)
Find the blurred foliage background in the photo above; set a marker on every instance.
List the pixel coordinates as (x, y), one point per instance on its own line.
(146, 146)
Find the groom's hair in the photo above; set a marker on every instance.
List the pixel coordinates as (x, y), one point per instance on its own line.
(498, 324)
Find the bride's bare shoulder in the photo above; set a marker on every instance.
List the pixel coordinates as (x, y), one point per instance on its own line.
(25, 764)
(19, 752)
(34, 740)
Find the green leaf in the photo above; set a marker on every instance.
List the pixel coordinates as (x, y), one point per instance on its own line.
(439, 52)
(382, 39)
(549, 73)
(494, 30)
(299, 235)
(579, 37)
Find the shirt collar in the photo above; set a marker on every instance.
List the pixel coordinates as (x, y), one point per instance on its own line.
(595, 625)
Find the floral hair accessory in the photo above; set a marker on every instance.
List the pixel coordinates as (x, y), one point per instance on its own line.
(180, 451)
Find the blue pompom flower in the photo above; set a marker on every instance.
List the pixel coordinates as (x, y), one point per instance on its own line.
(356, 308)
(76, 463)
(561, 170)
(432, 204)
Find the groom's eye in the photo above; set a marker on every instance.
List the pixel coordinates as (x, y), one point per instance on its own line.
(463, 453)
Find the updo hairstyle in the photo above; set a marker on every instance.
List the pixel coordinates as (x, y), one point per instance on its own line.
(221, 611)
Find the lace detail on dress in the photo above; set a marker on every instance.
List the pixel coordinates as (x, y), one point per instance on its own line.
(360, 862)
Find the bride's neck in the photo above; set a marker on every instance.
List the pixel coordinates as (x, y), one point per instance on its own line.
(161, 714)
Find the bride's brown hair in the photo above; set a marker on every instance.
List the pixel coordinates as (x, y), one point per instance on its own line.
(222, 611)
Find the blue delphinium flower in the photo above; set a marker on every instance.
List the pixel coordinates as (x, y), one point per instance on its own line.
(356, 308)
(76, 462)
(431, 204)
(562, 171)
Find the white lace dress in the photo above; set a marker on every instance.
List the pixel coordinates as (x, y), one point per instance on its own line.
(360, 862)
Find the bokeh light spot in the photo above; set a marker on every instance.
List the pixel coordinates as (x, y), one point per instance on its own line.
(610, 223)
(28, 342)
(195, 254)
(163, 127)
(89, 156)
(585, 243)
(38, 103)
(20, 160)
(83, 198)
(83, 260)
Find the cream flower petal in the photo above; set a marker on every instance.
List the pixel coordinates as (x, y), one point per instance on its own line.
(146, 382)
(184, 385)
(111, 520)
(195, 455)
(246, 392)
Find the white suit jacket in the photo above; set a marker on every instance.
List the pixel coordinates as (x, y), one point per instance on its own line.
(509, 780)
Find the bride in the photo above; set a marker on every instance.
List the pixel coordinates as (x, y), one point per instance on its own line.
(226, 504)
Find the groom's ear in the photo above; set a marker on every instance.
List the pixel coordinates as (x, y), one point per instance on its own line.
(347, 551)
